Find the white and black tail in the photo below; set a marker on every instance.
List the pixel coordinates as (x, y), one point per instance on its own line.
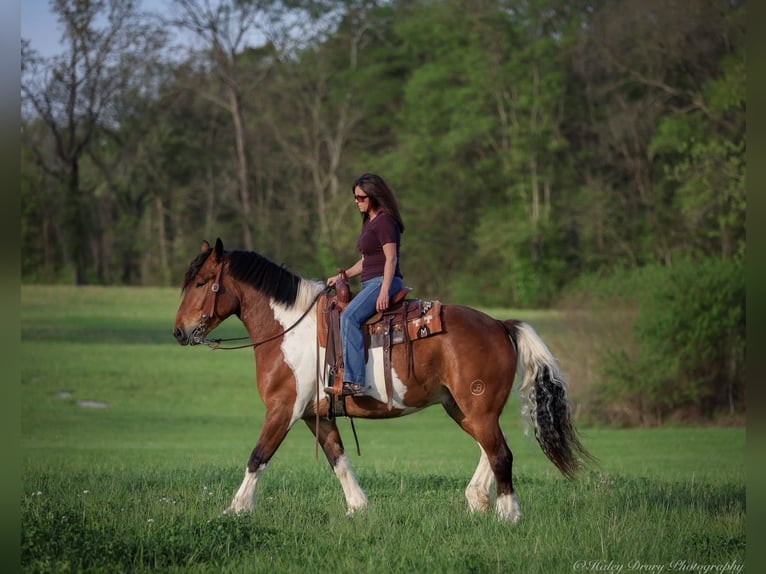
(544, 400)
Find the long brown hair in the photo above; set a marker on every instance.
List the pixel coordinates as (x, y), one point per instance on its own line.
(381, 196)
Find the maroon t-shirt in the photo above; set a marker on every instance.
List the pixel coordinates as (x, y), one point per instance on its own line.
(375, 234)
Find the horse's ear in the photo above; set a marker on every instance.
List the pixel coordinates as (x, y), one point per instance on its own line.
(218, 248)
(205, 247)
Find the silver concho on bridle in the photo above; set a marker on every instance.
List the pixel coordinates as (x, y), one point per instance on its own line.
(198, 335)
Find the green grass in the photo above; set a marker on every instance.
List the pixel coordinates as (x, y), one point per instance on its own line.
(140, 485)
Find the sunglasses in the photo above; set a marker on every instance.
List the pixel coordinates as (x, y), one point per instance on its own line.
(360, 198)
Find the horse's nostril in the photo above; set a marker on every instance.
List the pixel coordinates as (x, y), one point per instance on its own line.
(179, 335)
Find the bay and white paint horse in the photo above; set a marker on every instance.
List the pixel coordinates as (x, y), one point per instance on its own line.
(469, 370)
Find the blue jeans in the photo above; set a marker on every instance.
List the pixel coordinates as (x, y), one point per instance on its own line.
(361, 308)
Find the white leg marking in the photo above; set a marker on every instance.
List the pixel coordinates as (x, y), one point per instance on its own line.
(243, 499)
(356, 499)
(477, 492)
(508, 507)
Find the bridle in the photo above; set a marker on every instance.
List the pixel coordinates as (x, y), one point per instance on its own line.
(208, 311)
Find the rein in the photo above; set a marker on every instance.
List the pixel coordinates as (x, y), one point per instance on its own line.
(214, 344)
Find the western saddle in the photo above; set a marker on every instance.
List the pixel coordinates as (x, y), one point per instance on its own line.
(404, 320)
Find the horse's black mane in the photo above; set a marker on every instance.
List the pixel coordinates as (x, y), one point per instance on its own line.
(249, 267)
(271, 279)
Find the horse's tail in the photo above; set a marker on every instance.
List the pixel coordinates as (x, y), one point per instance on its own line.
(544, 400)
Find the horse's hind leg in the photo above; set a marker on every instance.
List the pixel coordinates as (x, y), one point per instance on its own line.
(496, 460)
(477, 492)
(500, 458)
(332, 445)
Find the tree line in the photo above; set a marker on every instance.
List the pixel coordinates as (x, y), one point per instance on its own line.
(529, 141)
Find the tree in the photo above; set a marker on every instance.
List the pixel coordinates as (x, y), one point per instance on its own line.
(528, 84)
(644, 68)
(438, 160)
(73, 95)
(227, 28)
(324, 116)
(702, 165)
(528, 141)
(479, 148)
(688, 351)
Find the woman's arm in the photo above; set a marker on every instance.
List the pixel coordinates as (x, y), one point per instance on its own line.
(389, 250)
(353, 271)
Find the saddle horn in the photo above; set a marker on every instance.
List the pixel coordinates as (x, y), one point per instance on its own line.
(342, 289)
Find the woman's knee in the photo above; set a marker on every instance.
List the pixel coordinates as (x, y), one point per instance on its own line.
(349, 321)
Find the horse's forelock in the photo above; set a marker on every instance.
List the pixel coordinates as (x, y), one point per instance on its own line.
(194, 268)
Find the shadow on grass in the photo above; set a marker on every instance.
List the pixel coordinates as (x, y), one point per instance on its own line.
(87, 546)
(124, 331)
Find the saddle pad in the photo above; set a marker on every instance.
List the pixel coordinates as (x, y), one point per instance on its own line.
(423, 320)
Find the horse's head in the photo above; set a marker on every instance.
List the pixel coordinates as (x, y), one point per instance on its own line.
(206, 301)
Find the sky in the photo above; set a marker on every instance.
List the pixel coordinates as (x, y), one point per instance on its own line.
(39, 24)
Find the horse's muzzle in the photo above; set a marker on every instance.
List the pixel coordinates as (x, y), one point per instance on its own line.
(181, 336)
(197, 337)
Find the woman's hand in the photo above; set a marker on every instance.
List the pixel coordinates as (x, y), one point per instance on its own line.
(383, 300)
(333, 280)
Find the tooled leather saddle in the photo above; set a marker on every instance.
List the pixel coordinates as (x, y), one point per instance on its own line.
(404, 321)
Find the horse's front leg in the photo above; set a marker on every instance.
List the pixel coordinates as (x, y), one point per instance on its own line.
(272, 434)
(332, 445)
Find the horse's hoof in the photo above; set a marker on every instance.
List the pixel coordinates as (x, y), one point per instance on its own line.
(236, 511)
(508, 508)
(351, 512)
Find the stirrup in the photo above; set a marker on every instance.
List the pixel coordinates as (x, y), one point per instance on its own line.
(348, 390)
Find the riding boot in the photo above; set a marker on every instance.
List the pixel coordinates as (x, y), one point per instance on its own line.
(339, 388)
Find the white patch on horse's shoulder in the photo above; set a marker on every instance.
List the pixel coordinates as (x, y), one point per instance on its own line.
(305, 298)
(299, 344)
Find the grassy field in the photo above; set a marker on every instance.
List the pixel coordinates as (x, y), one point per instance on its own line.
(132, 447)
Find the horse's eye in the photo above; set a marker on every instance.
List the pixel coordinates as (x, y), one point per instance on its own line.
(201, 284)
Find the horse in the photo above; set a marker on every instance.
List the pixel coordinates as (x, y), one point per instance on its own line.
(469, 370)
